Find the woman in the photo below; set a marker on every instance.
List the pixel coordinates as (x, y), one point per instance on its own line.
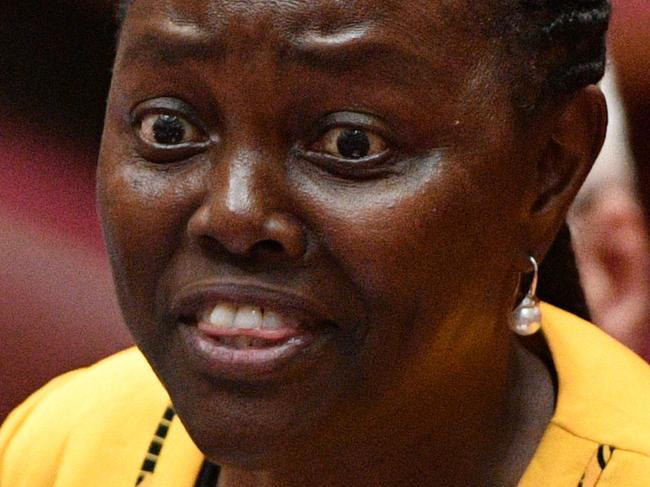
(318, 214)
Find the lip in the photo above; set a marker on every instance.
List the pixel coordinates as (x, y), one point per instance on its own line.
(209, 357)
(250, 365)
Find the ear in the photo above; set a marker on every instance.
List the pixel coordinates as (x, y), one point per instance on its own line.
(572, 147)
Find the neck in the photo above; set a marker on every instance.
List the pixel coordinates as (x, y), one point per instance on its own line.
(476, 429)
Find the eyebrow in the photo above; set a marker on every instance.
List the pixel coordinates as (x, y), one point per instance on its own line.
(339, 53)
(161, 47)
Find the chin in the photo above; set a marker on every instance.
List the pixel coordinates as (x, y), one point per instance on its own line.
(250, 441)
(254, 427)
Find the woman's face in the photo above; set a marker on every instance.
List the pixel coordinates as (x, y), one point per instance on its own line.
(311, 208)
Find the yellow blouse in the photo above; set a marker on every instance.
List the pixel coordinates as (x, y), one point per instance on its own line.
(110, 425)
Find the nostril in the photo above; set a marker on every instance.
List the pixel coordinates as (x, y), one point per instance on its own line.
(268, 246)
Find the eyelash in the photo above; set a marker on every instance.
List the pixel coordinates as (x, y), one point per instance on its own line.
(329, 132)
(160, 153)
(354, 167)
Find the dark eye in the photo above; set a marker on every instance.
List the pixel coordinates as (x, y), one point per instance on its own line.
(168, 129)
(350, 143)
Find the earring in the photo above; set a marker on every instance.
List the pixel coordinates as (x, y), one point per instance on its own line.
(527, 317)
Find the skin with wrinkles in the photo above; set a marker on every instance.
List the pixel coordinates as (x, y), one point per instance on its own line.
(411, 254)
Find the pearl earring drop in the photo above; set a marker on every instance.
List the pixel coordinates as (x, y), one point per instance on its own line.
(527, 316)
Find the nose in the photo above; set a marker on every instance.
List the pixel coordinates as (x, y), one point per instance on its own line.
(246, 210)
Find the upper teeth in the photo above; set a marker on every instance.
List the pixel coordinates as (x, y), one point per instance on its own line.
(226, 315)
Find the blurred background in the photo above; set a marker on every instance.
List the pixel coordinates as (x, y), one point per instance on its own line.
(57, 309)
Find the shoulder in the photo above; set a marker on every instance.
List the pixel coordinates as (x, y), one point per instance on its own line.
(600, 431)
(123, 378)
(604, 388)
(117, 396)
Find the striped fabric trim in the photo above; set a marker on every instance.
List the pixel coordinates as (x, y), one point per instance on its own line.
(156, 445)
(596, 466)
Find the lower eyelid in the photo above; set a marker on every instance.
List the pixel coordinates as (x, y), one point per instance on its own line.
(180, 154)
(329, 160)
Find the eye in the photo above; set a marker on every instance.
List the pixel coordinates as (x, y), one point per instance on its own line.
(168, 130)
(350, 143)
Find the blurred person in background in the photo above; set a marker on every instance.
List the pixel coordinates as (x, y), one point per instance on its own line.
(610, 236)
(630, 46)
(610, 217)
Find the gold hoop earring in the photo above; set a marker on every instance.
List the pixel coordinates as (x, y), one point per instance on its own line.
(527, 316)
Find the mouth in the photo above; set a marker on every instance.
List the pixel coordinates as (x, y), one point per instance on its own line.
(249, 333)
(247, 327)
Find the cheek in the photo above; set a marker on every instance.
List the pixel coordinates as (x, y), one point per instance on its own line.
(143, 216)
(429, 237)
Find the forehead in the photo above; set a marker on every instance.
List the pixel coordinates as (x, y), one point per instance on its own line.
(416, 41)
(289, 11)
(420, 22)
(428, 56)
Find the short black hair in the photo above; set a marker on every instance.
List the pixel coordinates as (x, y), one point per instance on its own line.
(559, 43)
